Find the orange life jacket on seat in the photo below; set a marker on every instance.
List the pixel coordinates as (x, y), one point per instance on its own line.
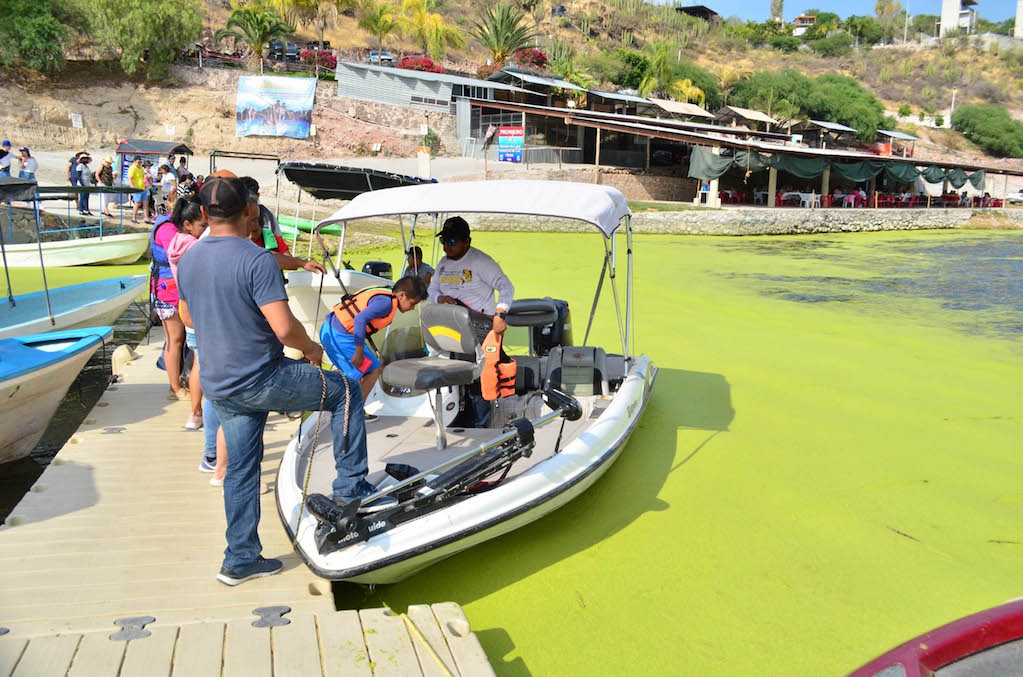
(350, 306)
(498, 378)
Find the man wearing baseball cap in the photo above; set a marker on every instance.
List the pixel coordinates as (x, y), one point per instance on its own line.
(5, 158)
(233, 295)
(468, 277)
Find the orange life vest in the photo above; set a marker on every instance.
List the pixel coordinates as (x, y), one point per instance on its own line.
(351, 306)
(498, 378)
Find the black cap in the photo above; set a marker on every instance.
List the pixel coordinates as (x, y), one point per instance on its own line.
(455, 227)
(223, 197)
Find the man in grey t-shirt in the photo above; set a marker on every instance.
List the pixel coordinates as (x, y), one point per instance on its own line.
(232, 294)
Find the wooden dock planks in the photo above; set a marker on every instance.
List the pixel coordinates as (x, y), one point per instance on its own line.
(368, 643)
(122, 524)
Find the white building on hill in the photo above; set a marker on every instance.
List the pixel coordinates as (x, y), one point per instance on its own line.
(957, 16)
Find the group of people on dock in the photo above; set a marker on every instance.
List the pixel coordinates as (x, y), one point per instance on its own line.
(218, 288)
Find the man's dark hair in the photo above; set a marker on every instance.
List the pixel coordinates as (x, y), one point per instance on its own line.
(413, 286)
(416, 251)
(251, 184)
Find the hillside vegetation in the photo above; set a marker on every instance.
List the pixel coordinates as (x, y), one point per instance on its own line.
(857, 70)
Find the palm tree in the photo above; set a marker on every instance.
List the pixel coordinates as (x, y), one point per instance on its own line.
(501, 30)
(256, 26)
(427, 28)
(378, 19)
(729, 76)
(660, 75)
(565, 68)
(687, 91)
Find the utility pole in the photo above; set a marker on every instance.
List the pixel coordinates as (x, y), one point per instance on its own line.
(953, 108)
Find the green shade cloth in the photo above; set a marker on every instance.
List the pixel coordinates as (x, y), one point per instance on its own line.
(978, 179)
(857, 171)
(933, 174)
(901, 172)
(707, 166)
(956, 177)
(803, 168)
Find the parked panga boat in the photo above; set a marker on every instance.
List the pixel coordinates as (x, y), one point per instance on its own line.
(88, 304)
(573, 410)
(35, 374)
(88, 244)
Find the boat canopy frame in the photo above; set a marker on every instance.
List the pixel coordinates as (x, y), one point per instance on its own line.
(603, 207)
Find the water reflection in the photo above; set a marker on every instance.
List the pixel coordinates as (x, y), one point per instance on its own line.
(978, 280)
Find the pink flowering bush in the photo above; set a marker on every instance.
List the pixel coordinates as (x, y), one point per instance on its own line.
(486, 70)
(325, 58)
(529, 57)
(419, 63)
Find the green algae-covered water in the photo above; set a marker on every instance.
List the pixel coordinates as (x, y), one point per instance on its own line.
(830, 464)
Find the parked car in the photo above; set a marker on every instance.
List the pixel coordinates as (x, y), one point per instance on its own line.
(381, 57)
(282, 52)
(1015, 197)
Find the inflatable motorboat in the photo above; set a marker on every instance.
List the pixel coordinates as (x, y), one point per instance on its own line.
(571, 412)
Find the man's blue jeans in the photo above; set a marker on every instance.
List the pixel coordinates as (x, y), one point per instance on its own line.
(294, 386)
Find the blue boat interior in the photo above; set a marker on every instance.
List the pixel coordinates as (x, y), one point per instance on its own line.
(31, 307)
(25, 354)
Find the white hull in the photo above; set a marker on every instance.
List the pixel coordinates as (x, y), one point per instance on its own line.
(102, 312)
(310, 303)
(418, 543)
(106, 250)
(27, 404)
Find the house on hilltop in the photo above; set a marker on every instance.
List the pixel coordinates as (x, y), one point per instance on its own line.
(700, 12)
(957, 16)
(803, 23)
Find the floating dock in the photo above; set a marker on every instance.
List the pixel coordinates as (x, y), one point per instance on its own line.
(108, 566)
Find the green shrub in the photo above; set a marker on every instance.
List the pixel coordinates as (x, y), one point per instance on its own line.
(784, 43)
(839, 44)
(939, 120)
(32, 36)
(905, 110)
(990, 127)
(922, 116)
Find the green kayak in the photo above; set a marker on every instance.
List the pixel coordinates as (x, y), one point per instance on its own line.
(306, 226)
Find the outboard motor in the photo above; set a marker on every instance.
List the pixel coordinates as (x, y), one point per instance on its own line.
(378, 268)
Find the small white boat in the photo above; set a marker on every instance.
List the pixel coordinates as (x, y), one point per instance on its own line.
(573, 410)
(107, 250)
(88, 304)
(35, 374)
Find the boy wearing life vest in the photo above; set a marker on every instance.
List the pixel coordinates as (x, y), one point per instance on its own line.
(354, 320)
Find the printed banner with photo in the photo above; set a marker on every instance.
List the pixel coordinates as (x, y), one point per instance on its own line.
(274, 106)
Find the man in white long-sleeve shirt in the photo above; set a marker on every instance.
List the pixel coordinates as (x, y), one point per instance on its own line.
(466, 276)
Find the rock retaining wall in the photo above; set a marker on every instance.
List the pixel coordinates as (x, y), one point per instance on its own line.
(634, 185)
(773, 221)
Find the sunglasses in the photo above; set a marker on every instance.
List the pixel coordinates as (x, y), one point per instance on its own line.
(449, 240)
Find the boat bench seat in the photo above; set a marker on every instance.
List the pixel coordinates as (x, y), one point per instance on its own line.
(429, 373)
(446, 330)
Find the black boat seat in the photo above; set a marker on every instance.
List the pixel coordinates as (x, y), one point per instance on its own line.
(429, 373)
(447, 330)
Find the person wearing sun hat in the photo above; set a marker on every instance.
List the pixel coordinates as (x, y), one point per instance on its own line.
(29, 165)
(233, 295)
(105, 177)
